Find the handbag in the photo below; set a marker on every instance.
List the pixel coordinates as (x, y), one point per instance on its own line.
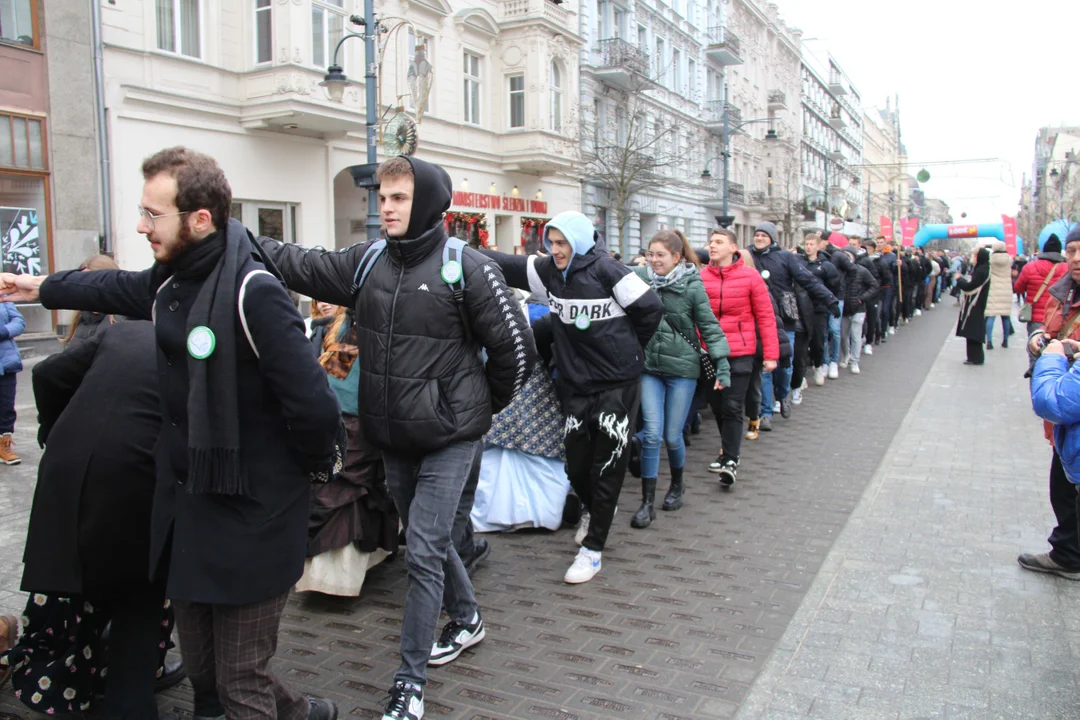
(707, 366)
(1025, 312)
(789, 306)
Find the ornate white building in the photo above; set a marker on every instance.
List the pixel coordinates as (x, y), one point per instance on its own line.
(885, 172)
(240, 79)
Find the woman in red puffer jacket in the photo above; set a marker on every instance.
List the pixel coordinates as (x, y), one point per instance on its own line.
(1050, 263)
(742, 303)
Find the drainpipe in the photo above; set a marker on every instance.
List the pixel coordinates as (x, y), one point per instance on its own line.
(102, 134)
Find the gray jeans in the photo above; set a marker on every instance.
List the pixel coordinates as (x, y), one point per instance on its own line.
(427, 491)
(851, 336)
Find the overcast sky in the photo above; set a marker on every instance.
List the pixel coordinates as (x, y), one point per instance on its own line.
(975, 80)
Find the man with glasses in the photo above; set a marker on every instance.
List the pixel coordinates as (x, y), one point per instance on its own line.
(249, 420)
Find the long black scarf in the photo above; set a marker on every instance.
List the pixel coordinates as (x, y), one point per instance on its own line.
(212, 406)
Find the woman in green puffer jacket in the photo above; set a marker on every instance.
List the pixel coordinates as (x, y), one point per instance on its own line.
(673, 365)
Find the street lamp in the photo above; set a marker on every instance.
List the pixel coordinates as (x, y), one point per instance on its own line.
(726, 154)
(335, 82)
(1062, 177)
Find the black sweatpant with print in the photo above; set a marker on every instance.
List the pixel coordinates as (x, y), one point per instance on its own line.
(597, 437)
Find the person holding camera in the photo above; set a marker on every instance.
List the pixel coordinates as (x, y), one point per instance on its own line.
(1058, 337)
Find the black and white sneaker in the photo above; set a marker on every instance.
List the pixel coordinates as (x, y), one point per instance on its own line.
(715, 465)
(456, 637)
(406, 703)
(727, 472)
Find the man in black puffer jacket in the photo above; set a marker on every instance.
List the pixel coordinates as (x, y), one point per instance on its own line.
(868, 258)
(781, 269)
(819, 264)
(861, 291)
(426, 395)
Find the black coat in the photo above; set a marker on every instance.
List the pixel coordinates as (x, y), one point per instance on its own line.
(228, 550)
(861, 290)
(785, 269)
(972, 321)
(100, 416)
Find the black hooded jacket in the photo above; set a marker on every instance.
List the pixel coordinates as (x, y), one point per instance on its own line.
(423, 383)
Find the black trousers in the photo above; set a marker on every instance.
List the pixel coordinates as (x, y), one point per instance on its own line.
(728, 404)
(817, 339)
(975, 352)
(798, 365)
(134, 653)
(1065, 538)
(873, 318)
(597, 437)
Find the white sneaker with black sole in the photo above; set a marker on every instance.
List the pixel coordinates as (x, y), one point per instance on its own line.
(456, 637)
(714, 466)
(406, 703)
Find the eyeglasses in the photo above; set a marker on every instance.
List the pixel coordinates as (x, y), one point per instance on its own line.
(151, 217)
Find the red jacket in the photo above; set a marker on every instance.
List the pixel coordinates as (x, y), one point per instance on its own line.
(740, 299)
(1031, 279)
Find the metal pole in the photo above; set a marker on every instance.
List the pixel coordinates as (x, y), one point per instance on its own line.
(103, 135)
(826, 191)
(370, 33)
(727, 141)
(869, 185)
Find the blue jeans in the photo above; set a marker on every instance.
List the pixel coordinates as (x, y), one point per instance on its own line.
(426, 490)
(832, 345)
(776, 385)
(665, 402)
(1006, 327)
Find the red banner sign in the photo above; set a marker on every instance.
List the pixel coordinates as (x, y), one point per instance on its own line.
(963, 231)
(1010, 233)
(886, 228)
(484, 201)
(908, 226)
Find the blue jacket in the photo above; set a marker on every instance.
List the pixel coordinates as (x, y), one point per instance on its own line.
(1055, 396)
(11, 326)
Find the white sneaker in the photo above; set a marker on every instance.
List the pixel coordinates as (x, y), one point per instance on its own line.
(805, 385)
(776, 406)
(868, 349)
(582, 529)
(834, 371)
(918, 312)
(585, 567)
(843, 363)
(855, 368)
(796, 397)
(819, 375)
(892, 330)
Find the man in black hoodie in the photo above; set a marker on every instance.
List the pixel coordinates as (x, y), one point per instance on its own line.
(426, 394)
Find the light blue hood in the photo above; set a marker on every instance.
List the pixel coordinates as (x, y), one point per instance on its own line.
(578, 230)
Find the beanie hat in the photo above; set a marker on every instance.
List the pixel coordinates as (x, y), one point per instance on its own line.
(1073, 236)
(768, 228)
(1052, 244)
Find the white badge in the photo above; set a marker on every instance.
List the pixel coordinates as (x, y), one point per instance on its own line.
(582, 322)
(451, 272)
(201, 342)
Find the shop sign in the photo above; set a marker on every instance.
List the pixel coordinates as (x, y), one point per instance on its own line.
(484, 201)
(20, 240)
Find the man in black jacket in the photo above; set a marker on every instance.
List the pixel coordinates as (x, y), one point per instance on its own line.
(862, 288)
(426, 394)
(867, 257)
(248, 419)
(605, 316)
(826, 272)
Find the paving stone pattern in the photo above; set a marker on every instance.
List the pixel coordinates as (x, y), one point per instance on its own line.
(921, 611)
(684, 614)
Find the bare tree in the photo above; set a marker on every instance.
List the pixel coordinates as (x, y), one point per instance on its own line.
(783, 198)
(637, 144)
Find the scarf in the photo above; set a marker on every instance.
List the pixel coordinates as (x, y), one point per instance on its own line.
(340, 348)
(662, 281)
(212, 405)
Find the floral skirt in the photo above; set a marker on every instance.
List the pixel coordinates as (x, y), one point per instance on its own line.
(59, 663)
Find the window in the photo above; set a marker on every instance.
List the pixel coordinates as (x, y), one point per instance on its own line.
(269, 219)
(472, 88)
(517, 101)
(264, 51)
(178, 27)
(676, 65)
(690, 11)
(642, 37)
(327, 29)
(691, 79)
(420, 72)
(17, 20)
(21, 143)
(661, 69)
(555, 90)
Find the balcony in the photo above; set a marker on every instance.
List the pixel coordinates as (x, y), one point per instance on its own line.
(618, 158)
(538, 153)
(516, 13)
(621, 64)
(736, 193)
(836, 119)
(836, 84)
(757, 198)
(714, 117)
(777, 100)
(723, 46)
(836, 156)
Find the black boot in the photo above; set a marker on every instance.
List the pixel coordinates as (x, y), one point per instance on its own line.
(673, 498)
(989, 345)
(646, 513)
(634, 465)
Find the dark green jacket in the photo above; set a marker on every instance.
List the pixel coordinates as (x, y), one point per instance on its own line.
(686, 308)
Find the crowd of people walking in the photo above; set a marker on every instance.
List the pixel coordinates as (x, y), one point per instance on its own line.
(437, 391)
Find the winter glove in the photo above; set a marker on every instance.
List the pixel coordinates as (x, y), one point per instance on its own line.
(834, 310)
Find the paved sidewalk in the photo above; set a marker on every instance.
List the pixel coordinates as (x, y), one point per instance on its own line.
(920, 610)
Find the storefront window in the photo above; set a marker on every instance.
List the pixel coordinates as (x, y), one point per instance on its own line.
(470, 227)
(23, 244)
(532, 234)
(21, 143)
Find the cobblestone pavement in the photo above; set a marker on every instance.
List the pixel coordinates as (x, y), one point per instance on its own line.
(920, 610)
(684, 615)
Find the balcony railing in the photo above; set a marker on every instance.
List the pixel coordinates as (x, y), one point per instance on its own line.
(530, 9)
(777, 97)
(617, 155)
(736, 192)
(720, 35)
(617, 53)
(714, 113)
(757, 198)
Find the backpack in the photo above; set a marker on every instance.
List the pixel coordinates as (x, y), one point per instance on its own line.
(453, 251)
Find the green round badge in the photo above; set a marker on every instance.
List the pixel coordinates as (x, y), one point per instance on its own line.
(201, 342)
(582, 322)
(451, 272)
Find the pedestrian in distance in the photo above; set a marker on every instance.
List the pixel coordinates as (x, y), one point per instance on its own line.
(861, 289)
(673, 364)
(999, 298)
(426, 307)
(971, 323)
(12, 326)
(1036, 278)
(603, 316)
(249, 421)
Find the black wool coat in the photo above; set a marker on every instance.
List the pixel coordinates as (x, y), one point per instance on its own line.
(220, 549)
(971, 323)
(100, 416)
